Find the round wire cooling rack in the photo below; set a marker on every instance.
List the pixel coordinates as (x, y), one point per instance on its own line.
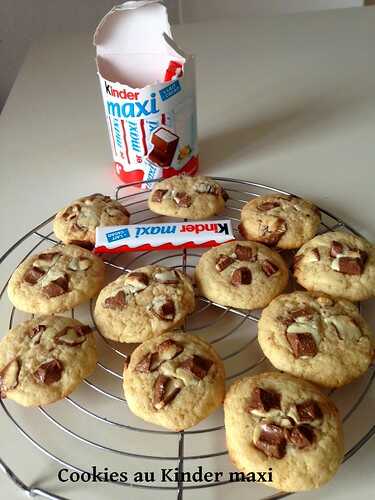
(93, 426)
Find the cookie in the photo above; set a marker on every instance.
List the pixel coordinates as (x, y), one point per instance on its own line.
(44, 360)
(77, 222)
(274, 420)
(282, 221)
(187, 197)
(175, 380)
(339, 264)
(316, 337)
(56, 280)
(242, 274)
(144, 303)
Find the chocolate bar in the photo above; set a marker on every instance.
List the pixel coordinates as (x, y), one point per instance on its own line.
(165, 144)
(163, 236)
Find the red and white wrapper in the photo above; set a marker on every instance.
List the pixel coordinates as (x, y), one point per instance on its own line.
(163, 236)
(148, 89)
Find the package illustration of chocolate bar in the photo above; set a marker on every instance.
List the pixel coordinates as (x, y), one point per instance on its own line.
(163, 236)
(148, 89)
(165, 145)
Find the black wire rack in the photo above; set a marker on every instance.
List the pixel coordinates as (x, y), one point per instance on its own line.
(94, 421)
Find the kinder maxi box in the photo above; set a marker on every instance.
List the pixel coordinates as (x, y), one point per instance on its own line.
(148, 89)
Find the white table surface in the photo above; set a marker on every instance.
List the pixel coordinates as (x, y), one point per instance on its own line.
(287, 101)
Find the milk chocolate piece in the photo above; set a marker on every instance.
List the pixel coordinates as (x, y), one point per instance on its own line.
(263, 400)
(167, 277)
(36, 333)
(49, 372)
(272, 441)
(137, 280)
(306, 312)
(165, 145)
(9, 377)
(72, 336)
(269, 268)
(169, 349)
(302, 344)
(57, 287)
(268, 205)
(223, 262)
(158, 195)
(148, 363)
(309, 411)
(316, 253)
(118, 301)
(301, 436)
(273, 233)
(48, 256)
(349, 265)
(33, 275)
(164, 308)
(241, 276)
(336, 249)
(245, 253)
(197, 366)
(165, 390)
(182, 199)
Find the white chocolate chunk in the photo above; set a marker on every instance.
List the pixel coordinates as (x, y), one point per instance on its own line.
(345, 327)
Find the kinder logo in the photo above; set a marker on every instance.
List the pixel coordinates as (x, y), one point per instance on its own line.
(221, 227)
(136, 109)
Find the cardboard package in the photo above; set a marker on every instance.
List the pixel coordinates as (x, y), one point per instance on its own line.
(148, 89)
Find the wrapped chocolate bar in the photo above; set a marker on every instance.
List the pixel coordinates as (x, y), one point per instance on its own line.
(163, 236)
(148, 89)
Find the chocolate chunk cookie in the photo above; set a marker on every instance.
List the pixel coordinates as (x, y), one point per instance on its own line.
(279, 421)
(146, 302)
(175, 380)
(282, 221)
(316, 337)
(187, 197)
(339, 264)
(241, 274)
(56, 280)
(43, 360)
(77, 222)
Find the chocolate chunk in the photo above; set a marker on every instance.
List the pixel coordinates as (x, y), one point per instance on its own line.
(33, 275)
(158, 195)
(182, 199)
(165, 390)
(148, 363)
(309, 411)
(241, 276)
(117, 301)
(268, 205)
(169, 349)
(349, 265)
(137, 280)
(316, 253)
(167, 277)
(302, 344)
(336, 249)
(245, 253)
(306, 312)
(272, 441)
(49, 372)
(223, 262)
(72, 336)
(164, 308)
(272, 233)
(301, 436)
(36, 333)
(57, 287)
(264, 400)
(197, 366)
(9, 377)
(269, 268)
(71, 212)
(48, 257)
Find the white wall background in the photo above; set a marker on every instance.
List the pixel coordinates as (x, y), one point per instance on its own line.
(22, 21)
